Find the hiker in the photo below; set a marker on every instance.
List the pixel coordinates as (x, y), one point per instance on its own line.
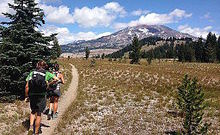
(36, 85)
(54, 93)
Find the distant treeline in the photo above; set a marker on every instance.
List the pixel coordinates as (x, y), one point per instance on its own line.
(120, 53)
(191, 51)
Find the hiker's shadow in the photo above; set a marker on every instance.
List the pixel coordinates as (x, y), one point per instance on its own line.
(26, 124)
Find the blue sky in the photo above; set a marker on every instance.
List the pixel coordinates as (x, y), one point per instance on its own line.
(89, 19)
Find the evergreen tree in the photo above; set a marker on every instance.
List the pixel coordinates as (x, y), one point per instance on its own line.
(87, 52)
(103, 56)
(135, 51)
(56, 49)
(170, 50)
(21, 46)
(189, 52)
(190, 100)
(180, 53)
(210, 48)
(150, 57)
(218, 49)
(199, 47)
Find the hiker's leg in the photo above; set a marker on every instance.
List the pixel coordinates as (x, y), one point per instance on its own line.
(32, 117)
(51, 105)
(31, 128)
(37, 123)
(55, 104)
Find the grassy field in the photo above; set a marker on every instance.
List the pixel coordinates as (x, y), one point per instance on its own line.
(14, 117)
(119, 98)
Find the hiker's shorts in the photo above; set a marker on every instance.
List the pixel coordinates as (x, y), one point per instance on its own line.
(54, 93)
(37, 103)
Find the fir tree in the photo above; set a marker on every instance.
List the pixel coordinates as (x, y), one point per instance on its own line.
(103, 56)
(87, 52)
(210, 48)
(190, 100)
(199, 47)
(218, 49)
(189, 52)
(150, 57)
(22, 46)
(135, 51)
(56, 49)
(180, 53)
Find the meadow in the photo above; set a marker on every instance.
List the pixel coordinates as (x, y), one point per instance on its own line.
(120, 98)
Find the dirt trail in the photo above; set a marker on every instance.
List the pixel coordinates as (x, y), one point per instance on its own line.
(65, 101)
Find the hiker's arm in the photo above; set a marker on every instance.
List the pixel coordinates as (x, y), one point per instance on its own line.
(55, 79)
(26, 90)
(62, 79)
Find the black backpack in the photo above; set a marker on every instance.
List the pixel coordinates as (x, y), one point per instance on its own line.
(37, 84)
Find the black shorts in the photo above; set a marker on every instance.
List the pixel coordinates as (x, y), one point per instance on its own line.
(54, 93)
(37, 103)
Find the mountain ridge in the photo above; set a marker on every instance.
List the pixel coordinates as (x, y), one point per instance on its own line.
(122, 38)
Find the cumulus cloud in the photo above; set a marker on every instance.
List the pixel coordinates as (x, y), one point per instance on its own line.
(59, 14)
(197, 32)
(139, 12)
(53, 14)
(98, 16)
(65, 36)
(4, 7)
(87, 17)
(157, 19)
(115, 7)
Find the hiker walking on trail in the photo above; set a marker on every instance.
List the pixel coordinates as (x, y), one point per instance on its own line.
(35, 89)
(54, 92)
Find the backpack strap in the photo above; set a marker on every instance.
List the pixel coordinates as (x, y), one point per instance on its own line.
(40, 73)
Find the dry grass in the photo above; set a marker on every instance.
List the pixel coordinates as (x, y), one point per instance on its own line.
(119, 98)
(12, 116)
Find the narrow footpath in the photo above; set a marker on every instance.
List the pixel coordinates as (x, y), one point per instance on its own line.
(65, 101)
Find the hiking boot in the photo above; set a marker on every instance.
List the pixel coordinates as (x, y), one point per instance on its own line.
(49, 116)
(55, 115)
(46, 111)
(40, 131)
(30, 131)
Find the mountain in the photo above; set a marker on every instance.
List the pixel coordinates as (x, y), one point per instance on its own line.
(124, 37)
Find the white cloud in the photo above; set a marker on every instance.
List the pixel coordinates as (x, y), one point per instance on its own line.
(59, 14)
(4, 7)
(98, 16)
(139, 12)
(179, 14)
(65, 36)
(89, 35)
(157, 19)
(87, 17)
(197, 32)
(119, 26)
(115, 7)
